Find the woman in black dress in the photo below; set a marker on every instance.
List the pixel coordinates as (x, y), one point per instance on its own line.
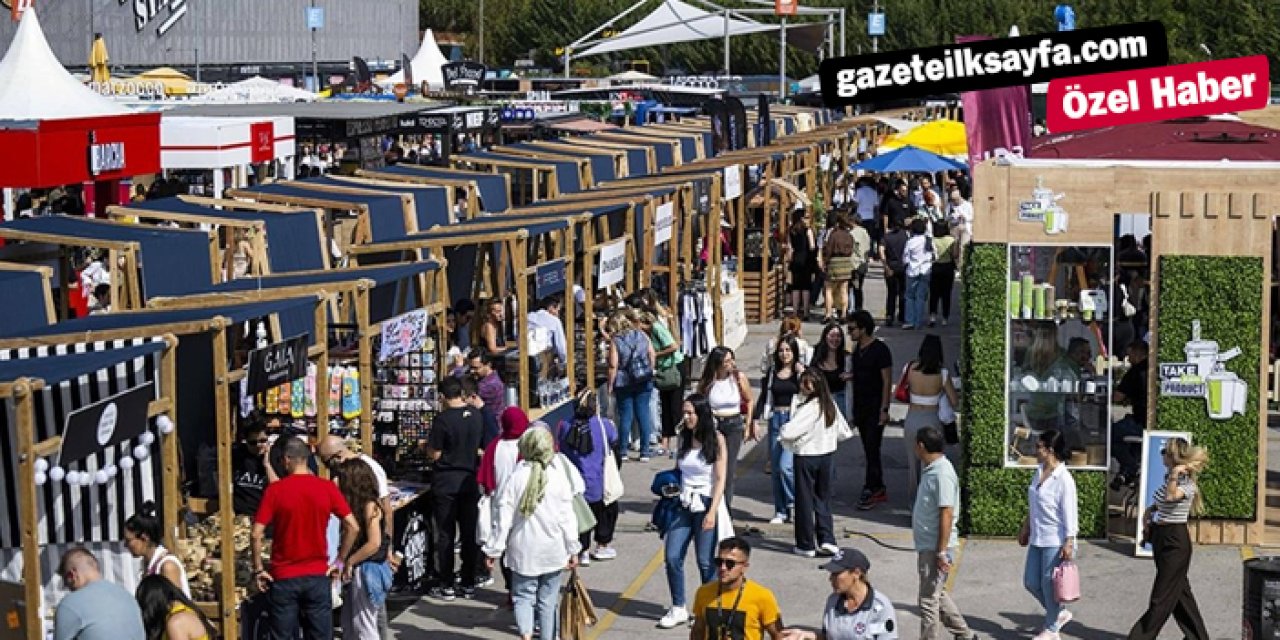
(802, 260)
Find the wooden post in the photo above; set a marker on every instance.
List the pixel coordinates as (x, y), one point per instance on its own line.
(364, 345)
(168, 388)
(321, 331)
(519, 264)
(28, 514)
(226, 511)
(569, 308)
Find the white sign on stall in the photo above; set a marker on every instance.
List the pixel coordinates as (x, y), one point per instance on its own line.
(663, 221)
(732, 182)
(613, 263)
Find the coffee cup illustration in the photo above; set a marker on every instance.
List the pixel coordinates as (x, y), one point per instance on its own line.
(1227, 394)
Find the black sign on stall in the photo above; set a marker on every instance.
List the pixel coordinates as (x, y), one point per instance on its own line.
(276, 364)
(463, 74)
(105, 423)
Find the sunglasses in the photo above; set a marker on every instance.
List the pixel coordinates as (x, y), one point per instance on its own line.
(727, 563)
(260, 441)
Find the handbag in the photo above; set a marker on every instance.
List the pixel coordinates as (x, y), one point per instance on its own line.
(668, 378)
(947, 415)
(1066, 582)
(613, 488)
(744, 403)
(581, 510)
(484, 523)
(902, 392)
(577, 612)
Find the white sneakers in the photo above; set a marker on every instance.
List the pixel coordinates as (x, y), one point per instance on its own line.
(584, 559)
(605, 553)
(828, 549)
(675, 617)
(1064, 617)
(808, 553)
(780, 518)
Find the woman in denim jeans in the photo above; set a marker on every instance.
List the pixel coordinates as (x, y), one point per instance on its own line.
(631, 361)
(781, 383)
(701, 459)
(1049, 532)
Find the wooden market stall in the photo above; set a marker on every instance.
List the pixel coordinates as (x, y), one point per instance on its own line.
(28, 294)
(596, 165)
(212, 351)
(533, 180)
(639, 153)
(353, 218)
(65, 486)
(1043, 270)
(141, 262)
(492, 191)
(605, 161)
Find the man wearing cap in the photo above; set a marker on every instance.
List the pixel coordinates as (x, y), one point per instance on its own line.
(854, 611)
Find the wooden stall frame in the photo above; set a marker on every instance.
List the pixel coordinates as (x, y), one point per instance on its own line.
(362, 232)
(561, 148)
(216, 325)
(586, 176)
(256, 231)
(125, 292)
(46, 273)
(591, 142)
(473, 189)
(539, 172)
(634, 140)
(23, 392)
(472, 204)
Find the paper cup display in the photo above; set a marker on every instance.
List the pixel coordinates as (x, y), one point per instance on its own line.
(1028, 296)
(1015, 298)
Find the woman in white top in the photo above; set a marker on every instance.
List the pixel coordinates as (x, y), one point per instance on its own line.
(702, 461)
(142, 535)
(813, 433)
(927, 381)
(918, 259)
(1049, 532)
(537, 530)
(728, 392)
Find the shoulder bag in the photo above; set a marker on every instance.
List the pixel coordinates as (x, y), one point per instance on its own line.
(902, 392)
(581, 510)
(613, 488)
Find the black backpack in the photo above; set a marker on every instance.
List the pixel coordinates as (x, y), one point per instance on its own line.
(577, 437)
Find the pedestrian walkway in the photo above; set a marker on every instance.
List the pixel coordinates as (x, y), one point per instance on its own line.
(630, 593)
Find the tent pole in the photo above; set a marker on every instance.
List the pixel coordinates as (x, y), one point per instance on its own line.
(727, 28)
(842, 33)
(782, 62)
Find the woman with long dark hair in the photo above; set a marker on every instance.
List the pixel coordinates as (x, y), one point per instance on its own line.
(588, 427)
(781, 384)
(927, 382)
(728, 392)
(831, 359)
(814, 432)
(1049, 532)
(360, 610)
(802, 260)
(142, 535)
(1165, 526)
(168, 614)
(702, 459)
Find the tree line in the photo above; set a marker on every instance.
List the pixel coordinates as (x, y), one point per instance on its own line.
(1198, 30)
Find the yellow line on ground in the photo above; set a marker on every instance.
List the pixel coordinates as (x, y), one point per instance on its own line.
(1246, 552)
(625, 597)
(955, 566)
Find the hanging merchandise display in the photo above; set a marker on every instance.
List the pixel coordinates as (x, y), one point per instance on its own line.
(405, 402)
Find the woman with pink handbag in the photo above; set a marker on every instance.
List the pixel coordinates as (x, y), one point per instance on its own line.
(1049, 533)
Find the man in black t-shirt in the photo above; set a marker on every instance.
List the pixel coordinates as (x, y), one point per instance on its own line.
(1131, 390)
(872, 380)
(896, 206)
(250, 472)
(454, 449)
(892, 247)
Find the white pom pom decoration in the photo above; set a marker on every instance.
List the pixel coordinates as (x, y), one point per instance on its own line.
(126, 463)
(101, 477)
(56, 474)
(41, 478)
(73, 478)
(141, 452)
(86, 478)
(112, 470)
(147, 438)
(164, 424)
(42, 464)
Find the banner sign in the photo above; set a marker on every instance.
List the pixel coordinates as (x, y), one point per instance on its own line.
(613, 263)
(276, 364)
(404, 334)
(732, 182)
(663, 221)
(463, 74)
(105, 423)
(1204, 375)
(106, 157)
(549, 278)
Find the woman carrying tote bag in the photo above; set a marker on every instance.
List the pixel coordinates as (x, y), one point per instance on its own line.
(1049, 532)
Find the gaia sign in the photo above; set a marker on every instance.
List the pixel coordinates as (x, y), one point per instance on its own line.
(276, 364)
(1204, 376)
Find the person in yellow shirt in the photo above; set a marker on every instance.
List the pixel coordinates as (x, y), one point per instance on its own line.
(732, 607)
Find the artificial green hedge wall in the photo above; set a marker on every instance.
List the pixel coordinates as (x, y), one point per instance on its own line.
(995, 497)
(1225, 294)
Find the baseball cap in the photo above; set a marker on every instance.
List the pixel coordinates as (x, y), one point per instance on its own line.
(846, 560)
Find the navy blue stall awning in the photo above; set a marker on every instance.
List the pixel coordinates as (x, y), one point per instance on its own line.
(602, 167)
(688, 152)
(25, 302)
(567, 178)
(174, 261)
(663, 152)
(386, 215)
(294, 239)
(378, 274)
(142, 319)
(535, 227)
(493, 187)
(430, 203)
(56, 369)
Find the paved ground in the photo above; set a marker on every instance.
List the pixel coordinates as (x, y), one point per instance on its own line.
(631, 594)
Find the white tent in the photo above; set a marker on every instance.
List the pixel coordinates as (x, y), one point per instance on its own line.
(426, 64)
(35, 86)
(257, 90)
(674, 21)
(631, 76)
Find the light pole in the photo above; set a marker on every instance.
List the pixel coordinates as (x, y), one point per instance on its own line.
(315, 65)
(481, 31)
(875, 40)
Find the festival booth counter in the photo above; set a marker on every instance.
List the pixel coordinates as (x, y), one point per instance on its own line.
(58, 132)
(1042, 281)
(268, 238)
(213, 348)
(482, 124)
(89, 436)
(141, 262)
(533, 179)
(213, 154)
(28, 292)
(512, 259)
(486, 192)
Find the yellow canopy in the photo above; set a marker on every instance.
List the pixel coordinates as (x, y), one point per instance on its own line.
(943, 137)
(174, 82)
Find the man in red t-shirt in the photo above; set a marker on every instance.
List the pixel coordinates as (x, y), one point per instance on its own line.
(297, 587)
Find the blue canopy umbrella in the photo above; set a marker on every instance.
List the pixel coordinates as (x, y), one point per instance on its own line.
(909, 159)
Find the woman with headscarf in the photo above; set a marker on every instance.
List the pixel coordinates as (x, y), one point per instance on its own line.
(500, 459)
(537, 531)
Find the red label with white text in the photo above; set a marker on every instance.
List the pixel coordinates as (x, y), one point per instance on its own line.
(1159, 93)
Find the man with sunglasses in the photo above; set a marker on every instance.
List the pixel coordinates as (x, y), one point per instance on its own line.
(251, 471)
(732, 607)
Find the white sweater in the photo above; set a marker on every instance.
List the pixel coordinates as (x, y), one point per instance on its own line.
(807, 433)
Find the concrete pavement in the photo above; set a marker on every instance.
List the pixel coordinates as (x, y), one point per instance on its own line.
(631, 593)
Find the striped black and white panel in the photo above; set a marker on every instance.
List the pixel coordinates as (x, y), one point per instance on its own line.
(70, 516)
